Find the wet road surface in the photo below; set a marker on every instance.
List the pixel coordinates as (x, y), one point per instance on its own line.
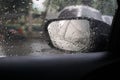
(32, 47)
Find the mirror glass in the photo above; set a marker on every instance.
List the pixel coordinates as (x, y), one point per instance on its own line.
(72, 35)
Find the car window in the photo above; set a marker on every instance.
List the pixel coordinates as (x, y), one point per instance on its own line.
(22, 25)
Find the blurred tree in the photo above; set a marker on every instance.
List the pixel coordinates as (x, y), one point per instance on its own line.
(60, 4)
(87, 2)
(13, 9)
(106, 7)
(14, 6)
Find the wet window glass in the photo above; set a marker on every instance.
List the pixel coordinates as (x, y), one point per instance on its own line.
(22, 26)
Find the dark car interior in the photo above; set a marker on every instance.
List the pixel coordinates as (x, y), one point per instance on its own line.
(83, 66)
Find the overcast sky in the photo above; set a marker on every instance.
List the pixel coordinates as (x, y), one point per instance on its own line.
(38, 5)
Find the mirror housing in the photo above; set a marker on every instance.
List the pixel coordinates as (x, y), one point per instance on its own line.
(77, 34)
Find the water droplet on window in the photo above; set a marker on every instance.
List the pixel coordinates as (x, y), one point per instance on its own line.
(23, 2)
(5, 7)
(13, 6)
(30, 3)
(22, 9)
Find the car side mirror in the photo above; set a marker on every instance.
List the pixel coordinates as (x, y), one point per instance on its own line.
(78, 34)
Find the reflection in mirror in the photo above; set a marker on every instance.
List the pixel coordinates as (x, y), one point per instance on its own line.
(71, 35)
